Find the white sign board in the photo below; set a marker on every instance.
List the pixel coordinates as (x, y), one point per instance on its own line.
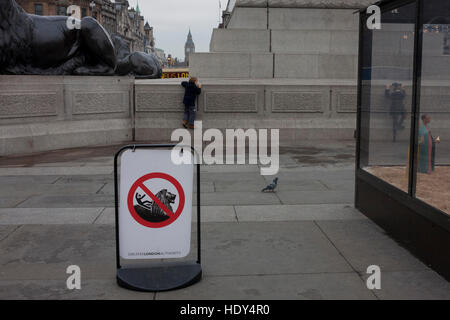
(155, 205)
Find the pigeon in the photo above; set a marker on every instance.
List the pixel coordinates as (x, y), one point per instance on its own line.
(272, 186)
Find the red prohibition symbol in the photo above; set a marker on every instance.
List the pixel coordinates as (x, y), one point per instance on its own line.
(159, 213)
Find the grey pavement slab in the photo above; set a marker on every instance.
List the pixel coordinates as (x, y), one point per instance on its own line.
(10, 202)
(108, 216)
(27, 190)
(97, 178)
(29, 179)
(314, 173)
(363, 244)
(52, 171)
(91, 289)
(36, 252)
(315, 197)
(237, 198)
(208, 214)
(205, 187)
(19, 216)
(339, 184)
(268, 248)
(300, 185)
(413, 285)
(228, 168)
(5, 231)
(277, 287)
(215, 214)
(69, 201)
(233, 177)
(59, 164)
(290, 260)
(298, 212)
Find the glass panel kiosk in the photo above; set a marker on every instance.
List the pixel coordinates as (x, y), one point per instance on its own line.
(403, 147)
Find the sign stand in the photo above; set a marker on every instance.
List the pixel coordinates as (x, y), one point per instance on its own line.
(165, 276)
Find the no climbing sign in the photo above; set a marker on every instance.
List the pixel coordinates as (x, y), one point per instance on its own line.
(157, 212)
(155, 205)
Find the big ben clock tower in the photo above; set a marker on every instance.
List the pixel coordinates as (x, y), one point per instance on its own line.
(189, 48)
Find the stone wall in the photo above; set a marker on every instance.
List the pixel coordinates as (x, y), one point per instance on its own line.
(302, 110)
(284, 40)
(352, 4)
(39, 113)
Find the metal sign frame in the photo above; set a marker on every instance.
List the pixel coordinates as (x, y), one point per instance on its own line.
(165, 276)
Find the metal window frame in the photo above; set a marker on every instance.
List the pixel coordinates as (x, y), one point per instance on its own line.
(409, 198)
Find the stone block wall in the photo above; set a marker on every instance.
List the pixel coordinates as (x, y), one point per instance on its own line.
(39, 113)
(302, 110)
(298, 40)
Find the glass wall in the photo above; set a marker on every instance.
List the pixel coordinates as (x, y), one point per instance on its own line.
(433, 156)
(396, 128)
(387, 87)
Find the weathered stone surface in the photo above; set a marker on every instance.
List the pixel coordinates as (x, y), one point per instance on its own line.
(47, 216)
(275, 287)
(231, 65)
(295, 42)
(240, 40)
(313, 19)
(231, 101)
(248, 18)
(28, 104)
(251, 3)
(373, 246)
(341, 4)
(319, 3)
(269, 248)
(297, 101)
(345, 100)
(298, 213)
(39, 113)
(153, 100)
(100, 102)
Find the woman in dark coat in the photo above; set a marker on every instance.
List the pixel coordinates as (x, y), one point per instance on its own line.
(192, 89)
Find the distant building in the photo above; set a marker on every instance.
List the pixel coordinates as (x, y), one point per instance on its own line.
(161, 55)
(189, 48)
(130, 25)
(149, 40)
(59, 7)
(114, 16)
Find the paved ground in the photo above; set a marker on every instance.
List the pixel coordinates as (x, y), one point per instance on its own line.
(304, 242)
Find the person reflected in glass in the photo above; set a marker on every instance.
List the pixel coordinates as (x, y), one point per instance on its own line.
(427, 146)
(396, 93)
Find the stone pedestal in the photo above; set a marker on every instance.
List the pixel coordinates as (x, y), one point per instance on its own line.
(40, 113)
(302, 110)
(298, 39)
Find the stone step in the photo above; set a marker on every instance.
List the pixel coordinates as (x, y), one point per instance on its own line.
(267, 65)
(284, 41)
(240, 40)
(293, 19)
(314, 41)
(231, 65)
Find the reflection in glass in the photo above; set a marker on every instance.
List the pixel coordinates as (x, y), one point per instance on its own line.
(386, 107)
(433, 155)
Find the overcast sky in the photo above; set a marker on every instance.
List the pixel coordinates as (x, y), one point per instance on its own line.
(171, 20)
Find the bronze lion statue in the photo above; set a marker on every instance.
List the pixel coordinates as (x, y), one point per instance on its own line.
(31, 44)
(61, 45)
